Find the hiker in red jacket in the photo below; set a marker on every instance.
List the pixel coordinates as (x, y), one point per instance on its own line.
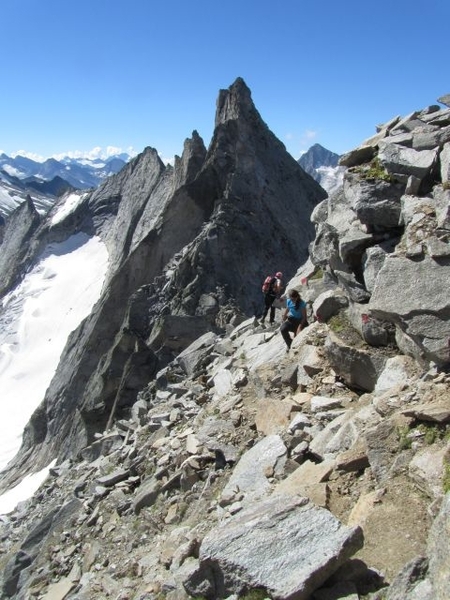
(272, 289)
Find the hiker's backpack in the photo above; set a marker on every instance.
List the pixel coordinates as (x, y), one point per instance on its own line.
(267, 285)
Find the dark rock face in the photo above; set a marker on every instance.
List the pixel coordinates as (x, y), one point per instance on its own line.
(188, 247)
(16, 237)
(52, 522)
(55, 187)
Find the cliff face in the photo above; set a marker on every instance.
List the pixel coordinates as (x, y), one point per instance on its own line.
(15, 240)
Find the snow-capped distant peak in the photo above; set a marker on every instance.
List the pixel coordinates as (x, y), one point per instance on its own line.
(80, 173)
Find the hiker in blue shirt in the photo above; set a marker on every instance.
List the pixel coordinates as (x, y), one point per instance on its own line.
(294, 317)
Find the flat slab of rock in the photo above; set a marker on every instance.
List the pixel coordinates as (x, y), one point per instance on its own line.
(285, 545)
(323, 403)
(250, 476)
(114, 477)
(306, 474)
(436, 412)
(272, 417)
(59, 590)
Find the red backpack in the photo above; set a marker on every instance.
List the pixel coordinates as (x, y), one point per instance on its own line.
(268, 282)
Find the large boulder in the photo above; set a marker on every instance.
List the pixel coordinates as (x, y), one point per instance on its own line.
(400, 160)
(413, 294)
(358, 367)
(376, 202)
(284, 545)
(250, 477)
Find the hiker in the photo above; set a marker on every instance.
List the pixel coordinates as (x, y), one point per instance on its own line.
(272, 289)
(294, 317)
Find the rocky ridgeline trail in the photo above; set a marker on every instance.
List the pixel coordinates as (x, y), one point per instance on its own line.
(245, 468)
(196, 458)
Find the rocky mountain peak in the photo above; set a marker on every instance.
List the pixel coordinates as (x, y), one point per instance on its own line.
(192, 159)
(318, 156)
(234, 103)
(16, 239)
(322, 165)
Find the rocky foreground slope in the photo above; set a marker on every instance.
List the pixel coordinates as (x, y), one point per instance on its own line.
(238, 469)
(245, 468)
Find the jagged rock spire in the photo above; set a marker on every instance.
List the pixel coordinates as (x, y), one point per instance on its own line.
(191, 161)
(234, 103)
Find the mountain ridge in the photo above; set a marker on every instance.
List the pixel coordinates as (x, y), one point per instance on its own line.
(202, 204)
(191, 445)
(82, 173)
(45, 181)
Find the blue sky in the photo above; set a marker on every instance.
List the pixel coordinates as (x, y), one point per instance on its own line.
(130, 74)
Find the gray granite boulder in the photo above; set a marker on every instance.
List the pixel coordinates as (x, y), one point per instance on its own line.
(413, 295)
(359, 367)
(251, 474)
(284, 545)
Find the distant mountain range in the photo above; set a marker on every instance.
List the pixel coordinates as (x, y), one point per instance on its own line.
(81, 173)
(45, 181)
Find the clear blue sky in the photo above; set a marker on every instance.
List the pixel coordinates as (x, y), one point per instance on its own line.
(135, 73)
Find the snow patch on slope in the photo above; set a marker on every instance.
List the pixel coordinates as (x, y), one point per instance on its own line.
(35, 321)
